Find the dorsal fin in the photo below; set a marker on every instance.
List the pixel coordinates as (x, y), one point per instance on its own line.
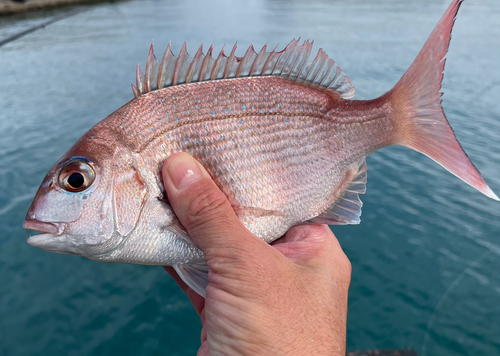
(291, 63)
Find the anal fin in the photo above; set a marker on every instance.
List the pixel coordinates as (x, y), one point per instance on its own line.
(195, 275)
(347, 208)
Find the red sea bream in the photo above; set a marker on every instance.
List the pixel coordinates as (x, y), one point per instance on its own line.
(281, 136)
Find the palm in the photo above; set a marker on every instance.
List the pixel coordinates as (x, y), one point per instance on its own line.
(295, 246)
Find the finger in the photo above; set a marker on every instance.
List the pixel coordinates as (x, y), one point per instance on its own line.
(201, 207)
(305, 242)
(197, 300)
(203, 351)
(203, 336)
(314, 245)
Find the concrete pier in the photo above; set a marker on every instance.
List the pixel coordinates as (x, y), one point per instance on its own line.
(14, 6)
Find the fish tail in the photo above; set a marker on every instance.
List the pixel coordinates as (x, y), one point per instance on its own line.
(419, 120)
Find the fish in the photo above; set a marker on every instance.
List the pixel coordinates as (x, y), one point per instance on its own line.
(281, 136)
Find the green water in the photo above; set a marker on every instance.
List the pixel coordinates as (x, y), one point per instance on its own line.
(426, 258)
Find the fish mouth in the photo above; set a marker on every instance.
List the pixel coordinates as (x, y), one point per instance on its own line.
(48, 231)
(40, 240)
(40, 226)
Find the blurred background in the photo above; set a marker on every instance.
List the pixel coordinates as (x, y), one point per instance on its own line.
(426, 257)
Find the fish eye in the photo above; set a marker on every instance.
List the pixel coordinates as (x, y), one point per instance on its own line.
(76, 176)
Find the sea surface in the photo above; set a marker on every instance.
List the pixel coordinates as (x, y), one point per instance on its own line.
(426, 257)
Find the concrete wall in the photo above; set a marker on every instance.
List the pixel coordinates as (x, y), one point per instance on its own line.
(10, 6)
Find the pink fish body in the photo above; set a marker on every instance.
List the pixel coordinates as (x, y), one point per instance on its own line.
(280, 136)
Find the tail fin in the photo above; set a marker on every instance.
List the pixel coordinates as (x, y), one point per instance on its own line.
(419, 118)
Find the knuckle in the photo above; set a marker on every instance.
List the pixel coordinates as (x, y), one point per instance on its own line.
(345, 268)
(347, 265)
(208, 204)
(340, 263)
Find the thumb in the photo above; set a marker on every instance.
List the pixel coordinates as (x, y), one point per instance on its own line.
(202, 208)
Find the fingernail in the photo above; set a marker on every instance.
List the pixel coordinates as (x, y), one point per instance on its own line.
(183, 171)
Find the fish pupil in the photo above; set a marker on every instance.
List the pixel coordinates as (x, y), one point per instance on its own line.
(76, 180)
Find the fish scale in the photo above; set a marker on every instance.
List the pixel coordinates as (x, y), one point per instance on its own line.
(297, 135)
(162, 114)
(280, 136)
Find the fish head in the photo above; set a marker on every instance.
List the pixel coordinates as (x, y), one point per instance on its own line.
(88, 201)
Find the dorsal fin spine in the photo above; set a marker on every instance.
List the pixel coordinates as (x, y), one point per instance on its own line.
(178, 64)
(219, 63)
(253, 69)
(315, 66)
(301, 60)
(139, 78)
(135, 91)
(268, 67)
(147, 87)
(206, 63)
(284, 55)
(166, 62)
(291, 63)
(249, 55)
(339, 80)
(320, 74)
(331, 65)
(193, 70)
(293, 59)
(285, 66)
(230, 62)
(310, 67)
(311, 44)
(151, 70)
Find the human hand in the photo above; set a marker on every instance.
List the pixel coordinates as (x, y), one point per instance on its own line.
(286, 299)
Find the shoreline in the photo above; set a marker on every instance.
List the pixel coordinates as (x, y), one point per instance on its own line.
(8, 7)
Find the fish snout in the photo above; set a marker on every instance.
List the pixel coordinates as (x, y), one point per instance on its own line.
(43, 227)
(51, 237)
(30, 215)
